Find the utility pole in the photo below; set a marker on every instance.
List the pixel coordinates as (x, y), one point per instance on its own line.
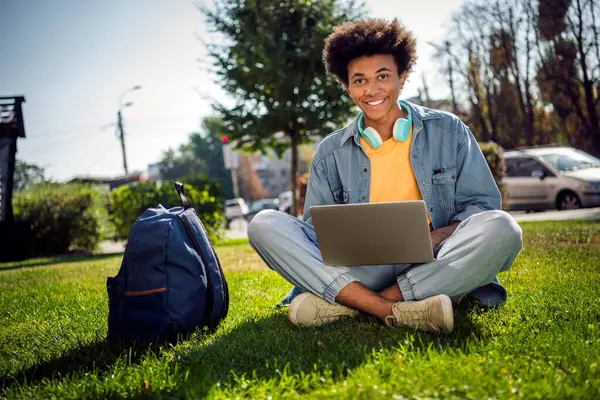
(120, 123)
(122, 139)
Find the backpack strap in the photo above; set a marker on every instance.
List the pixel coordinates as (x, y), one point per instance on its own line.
(184, 200)
(217, 297)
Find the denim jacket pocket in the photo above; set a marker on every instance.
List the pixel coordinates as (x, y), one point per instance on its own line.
(444, 175)
(341, 195)
(444, 182)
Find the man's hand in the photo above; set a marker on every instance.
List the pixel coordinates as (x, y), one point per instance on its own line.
(441, 234)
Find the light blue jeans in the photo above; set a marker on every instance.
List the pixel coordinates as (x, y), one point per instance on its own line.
(466, 263)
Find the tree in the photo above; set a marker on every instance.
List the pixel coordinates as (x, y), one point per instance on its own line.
(271, 66)
(199, 162)
(444, 53)
(27, 176)
(491, 57)
(529, 69)
(569, 50)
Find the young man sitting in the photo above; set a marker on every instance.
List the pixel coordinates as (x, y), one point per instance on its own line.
(435, 158)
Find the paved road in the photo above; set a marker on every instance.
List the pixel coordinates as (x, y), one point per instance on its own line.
(237, 230)
(557, 215)
(238, 227)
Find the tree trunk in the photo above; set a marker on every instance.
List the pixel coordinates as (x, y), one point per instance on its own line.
(294, 170)
(476, 103)
(527, 82)
(491, 113)
(588, 85)
(522, 87)
(451, 84)
(596, 35)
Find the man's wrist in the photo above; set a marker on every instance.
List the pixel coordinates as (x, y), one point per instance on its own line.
(441, 234)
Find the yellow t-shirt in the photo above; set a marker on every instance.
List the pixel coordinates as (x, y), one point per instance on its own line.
(392, 176)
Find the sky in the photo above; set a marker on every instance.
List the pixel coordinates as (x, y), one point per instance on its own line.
(73, 59)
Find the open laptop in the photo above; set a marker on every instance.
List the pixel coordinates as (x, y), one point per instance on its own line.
(373, 233)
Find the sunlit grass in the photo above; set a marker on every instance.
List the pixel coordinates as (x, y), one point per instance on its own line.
(544, 343)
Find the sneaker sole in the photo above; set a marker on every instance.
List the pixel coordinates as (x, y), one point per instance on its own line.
(293, 311)
(297, 304)
(448, 313)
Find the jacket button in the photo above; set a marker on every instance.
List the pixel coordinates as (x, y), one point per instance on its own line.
(365, 170)
(364, 197)
(423, 182)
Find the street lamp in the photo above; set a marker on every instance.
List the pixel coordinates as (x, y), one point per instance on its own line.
(131, 89)
(120, 122)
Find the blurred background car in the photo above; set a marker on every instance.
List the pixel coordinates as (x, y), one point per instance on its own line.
(541, 178)
(285, 201)
(259, 205)
(235, 208)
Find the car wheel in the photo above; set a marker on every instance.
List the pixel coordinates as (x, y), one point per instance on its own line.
(568, 201)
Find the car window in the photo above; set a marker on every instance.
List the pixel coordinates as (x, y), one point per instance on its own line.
(511, 166)
(524, 166)
(572, 160)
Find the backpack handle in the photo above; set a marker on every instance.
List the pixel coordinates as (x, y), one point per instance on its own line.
(184, 200)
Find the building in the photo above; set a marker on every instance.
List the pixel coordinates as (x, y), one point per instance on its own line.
(106, 183)
(153, 172)
(275, 173)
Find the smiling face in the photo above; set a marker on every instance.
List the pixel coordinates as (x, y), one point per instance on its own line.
(374, 85)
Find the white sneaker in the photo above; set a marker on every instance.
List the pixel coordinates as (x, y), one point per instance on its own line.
(433, 314)
(309, 310)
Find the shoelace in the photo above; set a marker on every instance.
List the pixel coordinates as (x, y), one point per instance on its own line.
(417, 317)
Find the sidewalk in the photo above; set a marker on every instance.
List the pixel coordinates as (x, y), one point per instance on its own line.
(110, 247)
(590, 213)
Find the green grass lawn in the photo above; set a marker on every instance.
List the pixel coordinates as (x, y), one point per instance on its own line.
(544, 343)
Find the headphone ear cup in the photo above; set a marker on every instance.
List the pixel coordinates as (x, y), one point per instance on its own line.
(372, 137)
(401, 129)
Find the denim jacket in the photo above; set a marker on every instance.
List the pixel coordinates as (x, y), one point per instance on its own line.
(450, 169)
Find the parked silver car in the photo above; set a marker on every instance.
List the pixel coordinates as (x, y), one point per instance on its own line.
(552, 177)
(235, 208)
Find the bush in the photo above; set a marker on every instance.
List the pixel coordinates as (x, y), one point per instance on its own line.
(127, 203)
(494, 155)
(62, 218)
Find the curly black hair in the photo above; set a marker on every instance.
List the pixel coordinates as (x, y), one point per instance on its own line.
(366, 38)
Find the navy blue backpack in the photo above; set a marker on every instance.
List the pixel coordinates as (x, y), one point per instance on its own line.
(170, 282)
